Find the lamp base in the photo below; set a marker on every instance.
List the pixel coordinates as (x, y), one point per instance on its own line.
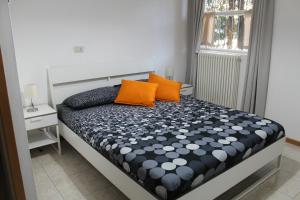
(32, 109)
(169, 77)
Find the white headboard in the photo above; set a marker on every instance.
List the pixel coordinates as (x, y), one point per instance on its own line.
(64, 81)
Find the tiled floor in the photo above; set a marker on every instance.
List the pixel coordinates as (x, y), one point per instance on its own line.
(71, 177)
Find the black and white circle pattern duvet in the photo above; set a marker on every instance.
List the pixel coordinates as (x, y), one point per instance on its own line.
(174, 147)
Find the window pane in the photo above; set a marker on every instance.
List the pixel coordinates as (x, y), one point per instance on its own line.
(226, 32)
(223, 27)
(226, 5)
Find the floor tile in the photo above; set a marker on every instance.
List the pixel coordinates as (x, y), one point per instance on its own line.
(45, 188)
(297, 197)
(90, 181)
(278, 196)
(110, 193)
(291, 187)
(292, 152)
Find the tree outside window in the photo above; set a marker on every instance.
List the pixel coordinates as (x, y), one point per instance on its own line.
(226, 24)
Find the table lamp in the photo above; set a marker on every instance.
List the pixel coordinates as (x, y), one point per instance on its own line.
(169, 73)
(30, 91)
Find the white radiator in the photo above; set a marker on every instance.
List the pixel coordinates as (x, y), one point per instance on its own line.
(218, 78)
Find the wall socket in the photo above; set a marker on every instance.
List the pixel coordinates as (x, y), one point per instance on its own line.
(78, 49)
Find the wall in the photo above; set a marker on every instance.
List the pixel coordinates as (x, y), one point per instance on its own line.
(146, 32)
(10, 69)
(283, 103)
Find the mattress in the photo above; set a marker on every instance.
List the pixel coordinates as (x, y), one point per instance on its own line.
(175, 147)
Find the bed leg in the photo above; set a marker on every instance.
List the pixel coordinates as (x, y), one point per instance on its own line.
(279, 161)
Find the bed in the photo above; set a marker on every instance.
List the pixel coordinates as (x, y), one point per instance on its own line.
(173, 151)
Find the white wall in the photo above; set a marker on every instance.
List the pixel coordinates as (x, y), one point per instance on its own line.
(149, 32)
(283, 103)
(10, 70)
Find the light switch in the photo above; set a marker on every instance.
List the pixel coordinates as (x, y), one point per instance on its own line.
(78, 49)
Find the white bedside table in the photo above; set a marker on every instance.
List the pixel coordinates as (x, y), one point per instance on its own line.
(186, 89)
(42, 127)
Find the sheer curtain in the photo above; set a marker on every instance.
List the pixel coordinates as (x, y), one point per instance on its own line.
(196, 8)
(259, 56)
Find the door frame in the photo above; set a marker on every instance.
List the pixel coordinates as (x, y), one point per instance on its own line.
(10, 165)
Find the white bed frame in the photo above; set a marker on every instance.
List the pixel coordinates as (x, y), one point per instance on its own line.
(67, 80)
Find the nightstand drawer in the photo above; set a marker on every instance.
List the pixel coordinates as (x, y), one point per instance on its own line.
(41, 121)
(186, 91)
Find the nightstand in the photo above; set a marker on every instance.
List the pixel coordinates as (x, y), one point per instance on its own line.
(186, 89)
(42, 127)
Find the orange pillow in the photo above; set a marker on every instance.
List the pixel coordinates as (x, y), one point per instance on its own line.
(137, 93)
(167, 90)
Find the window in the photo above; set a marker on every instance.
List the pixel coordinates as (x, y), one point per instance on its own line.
(226, 24)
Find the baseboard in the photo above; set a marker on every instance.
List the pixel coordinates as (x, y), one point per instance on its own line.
(292, 141)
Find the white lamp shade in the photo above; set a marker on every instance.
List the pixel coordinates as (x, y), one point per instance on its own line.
(30, 90)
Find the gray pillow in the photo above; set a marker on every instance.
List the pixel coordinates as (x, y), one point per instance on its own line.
(91, 98)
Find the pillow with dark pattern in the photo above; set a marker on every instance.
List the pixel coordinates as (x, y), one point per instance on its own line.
(91, 98)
